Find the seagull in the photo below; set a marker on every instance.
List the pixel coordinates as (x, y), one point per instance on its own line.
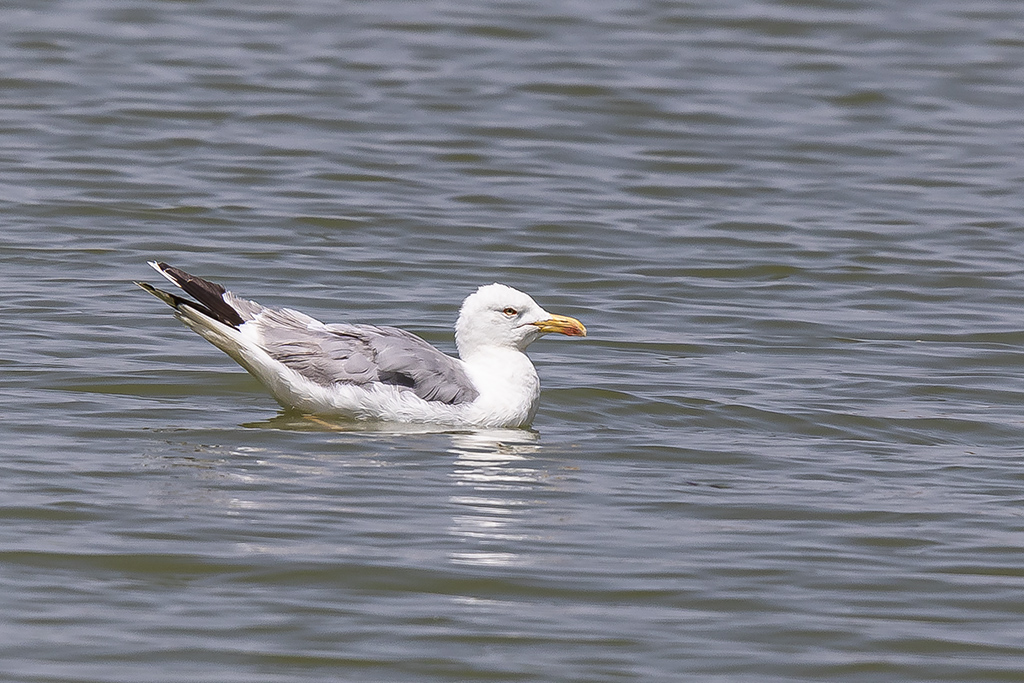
(377, 373)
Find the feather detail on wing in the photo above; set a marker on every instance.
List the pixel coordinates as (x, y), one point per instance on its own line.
(361, 355)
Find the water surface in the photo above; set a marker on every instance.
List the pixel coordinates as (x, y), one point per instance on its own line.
(788, 450)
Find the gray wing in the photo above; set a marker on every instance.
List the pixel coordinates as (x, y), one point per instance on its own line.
(363, 354)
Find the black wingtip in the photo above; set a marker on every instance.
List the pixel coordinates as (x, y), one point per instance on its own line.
(210, 295)
(171, 300)
(174, 301)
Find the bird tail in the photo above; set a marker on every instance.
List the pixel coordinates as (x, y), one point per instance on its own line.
(209, 296)
(216, 316)
(219, 317)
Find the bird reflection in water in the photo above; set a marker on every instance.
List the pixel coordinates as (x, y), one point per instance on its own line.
(494, 486)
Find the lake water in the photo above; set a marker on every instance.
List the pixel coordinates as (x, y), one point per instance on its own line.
(790, 449)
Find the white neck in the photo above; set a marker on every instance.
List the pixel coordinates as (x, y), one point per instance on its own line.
(508, 385)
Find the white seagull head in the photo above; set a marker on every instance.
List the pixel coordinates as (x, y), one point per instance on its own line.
(498, 316)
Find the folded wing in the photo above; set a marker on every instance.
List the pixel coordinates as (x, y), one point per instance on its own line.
(362, 355)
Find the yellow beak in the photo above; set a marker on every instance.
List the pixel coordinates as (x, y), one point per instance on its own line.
(564, 324)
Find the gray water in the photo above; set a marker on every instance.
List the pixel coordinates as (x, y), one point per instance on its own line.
(790, 448)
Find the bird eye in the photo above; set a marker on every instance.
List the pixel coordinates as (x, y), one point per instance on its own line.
(510, 312)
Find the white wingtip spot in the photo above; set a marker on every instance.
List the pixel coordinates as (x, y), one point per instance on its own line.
(156, 266)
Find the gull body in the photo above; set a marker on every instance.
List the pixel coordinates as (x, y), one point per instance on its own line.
(377, 373)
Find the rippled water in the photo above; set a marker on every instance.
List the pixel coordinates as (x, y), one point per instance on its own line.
(789, 449)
